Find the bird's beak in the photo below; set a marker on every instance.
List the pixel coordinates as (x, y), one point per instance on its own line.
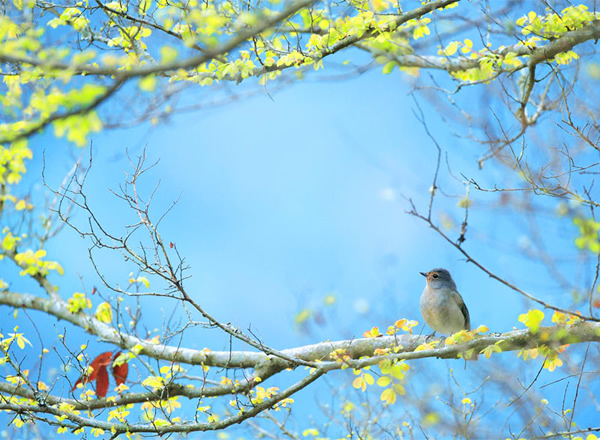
(423, 273)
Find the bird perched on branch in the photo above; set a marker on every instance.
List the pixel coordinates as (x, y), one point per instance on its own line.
(442, 306)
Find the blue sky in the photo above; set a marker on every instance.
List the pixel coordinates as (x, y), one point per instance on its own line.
(284, 201)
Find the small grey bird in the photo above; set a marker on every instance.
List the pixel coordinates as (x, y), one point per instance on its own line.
(442, 306)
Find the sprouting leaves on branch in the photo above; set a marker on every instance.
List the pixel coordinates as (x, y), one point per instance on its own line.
(65, 68)
(204, 43)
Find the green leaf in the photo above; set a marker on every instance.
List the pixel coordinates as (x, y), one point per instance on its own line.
(168, 54)
(384, 381)
(397, 372)
(148, 83)
(465, 202)
(303, 316)
(387, 69)
(104, 313)
(451, 48)
(388, 396)
(532, 319)
(144, 6)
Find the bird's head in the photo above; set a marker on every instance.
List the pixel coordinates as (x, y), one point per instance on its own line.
(438, 277)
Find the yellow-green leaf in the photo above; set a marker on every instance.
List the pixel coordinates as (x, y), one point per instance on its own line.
(388, 67)
(532, 319)
(144, 6)
(359, 383)
(388, 396)
(384, 381)
(148, 83)
(104, 313)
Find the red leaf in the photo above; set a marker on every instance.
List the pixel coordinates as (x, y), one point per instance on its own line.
(101, 362)
(171, 245)
(94, 290)
(120, 371)
(102, 381)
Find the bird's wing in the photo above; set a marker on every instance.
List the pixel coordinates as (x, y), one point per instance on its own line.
(463, 308)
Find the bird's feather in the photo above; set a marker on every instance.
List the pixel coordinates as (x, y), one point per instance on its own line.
(463, 308)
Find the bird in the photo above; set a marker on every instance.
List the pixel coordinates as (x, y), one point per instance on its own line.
(442, 307)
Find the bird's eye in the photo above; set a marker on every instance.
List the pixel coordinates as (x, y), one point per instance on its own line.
(435, 275)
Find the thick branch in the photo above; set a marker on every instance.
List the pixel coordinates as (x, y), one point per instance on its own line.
(80, 421)
(209, 54)
(358, 352)
(42, 281)
(565, 43)
(107, 333)
(536, 55)
(186, 63)
(38, 126)
(355, 348)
